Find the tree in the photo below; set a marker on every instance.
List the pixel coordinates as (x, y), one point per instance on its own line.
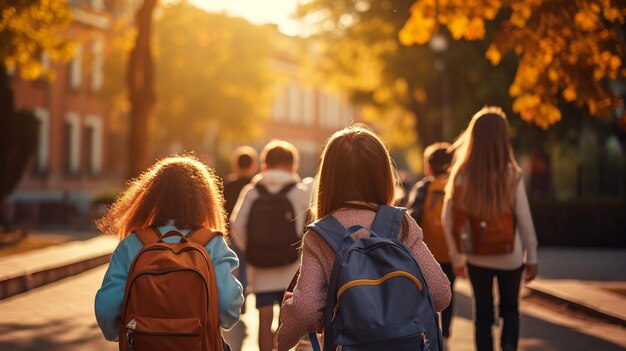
(140, 75)
(30, 29)
(566, 48)
(212, 77)
(18, 141)
(402, 86)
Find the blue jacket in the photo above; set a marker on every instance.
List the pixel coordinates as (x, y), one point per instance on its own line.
(109, 297)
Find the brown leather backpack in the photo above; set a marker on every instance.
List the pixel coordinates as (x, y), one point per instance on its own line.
(480, 236)
(171, 301)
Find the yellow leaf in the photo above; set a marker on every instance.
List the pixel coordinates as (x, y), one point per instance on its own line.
(417, 30)
(475, 29)
(420, 95)
(548, 115)
(458, 25)
(552, 75)
(586, 21)
(615, 62)
(493, 55)
(526, 103)
(569, 94)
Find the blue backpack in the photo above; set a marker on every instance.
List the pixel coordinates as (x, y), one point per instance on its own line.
(377, 296)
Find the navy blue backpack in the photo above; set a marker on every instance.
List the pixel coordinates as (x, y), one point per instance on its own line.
(377, 296)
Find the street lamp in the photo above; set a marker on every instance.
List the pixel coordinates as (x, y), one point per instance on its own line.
(439, 44)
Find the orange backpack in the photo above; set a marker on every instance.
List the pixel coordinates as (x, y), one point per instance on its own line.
(170, 301)
(430, 220)
(480, 236)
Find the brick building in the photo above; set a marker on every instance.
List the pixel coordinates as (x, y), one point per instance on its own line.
(73, 159)
(305, 111)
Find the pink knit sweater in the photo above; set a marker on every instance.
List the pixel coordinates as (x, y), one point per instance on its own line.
(304, 312)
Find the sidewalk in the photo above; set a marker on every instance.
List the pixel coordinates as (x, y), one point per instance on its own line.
(581, 278)
(584, 279)
(25, 271)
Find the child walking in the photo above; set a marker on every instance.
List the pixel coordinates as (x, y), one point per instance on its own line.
(426, 202)
(355, 178)
(488, 224)
(180, 194)
(268, 222)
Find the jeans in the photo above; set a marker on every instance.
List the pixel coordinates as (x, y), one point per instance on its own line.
(508, 287)
(446, 315)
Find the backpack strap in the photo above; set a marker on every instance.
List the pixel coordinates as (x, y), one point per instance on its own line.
(388, 221)
(286, 188)
(417, 207)
(330, 230)
(203, 235)
(148, 235)
(261, 189)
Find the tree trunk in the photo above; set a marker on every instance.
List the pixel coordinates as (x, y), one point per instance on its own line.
(141, 92)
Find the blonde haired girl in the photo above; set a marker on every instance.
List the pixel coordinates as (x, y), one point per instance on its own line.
(486, 170)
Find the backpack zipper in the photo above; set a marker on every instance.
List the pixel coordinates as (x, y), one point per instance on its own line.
(359, 282)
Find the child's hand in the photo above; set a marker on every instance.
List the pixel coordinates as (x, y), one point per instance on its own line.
(530, 271)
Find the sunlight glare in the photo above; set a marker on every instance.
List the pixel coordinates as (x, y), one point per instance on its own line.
(279, 12)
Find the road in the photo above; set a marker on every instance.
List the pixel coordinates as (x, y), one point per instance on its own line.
(60, 317)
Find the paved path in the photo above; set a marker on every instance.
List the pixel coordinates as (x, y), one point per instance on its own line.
(60, 317)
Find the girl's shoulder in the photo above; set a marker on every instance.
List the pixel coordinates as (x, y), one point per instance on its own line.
(130, 242)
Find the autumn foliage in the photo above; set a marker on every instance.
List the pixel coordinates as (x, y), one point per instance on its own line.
(31, 28)
(566, 48)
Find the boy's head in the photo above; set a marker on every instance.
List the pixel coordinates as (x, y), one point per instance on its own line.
(279, 154)
(244, 161)
(437, 159)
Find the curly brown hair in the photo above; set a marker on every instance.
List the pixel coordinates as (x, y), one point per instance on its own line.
(177, 187)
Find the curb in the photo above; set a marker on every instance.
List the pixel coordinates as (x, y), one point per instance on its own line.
(24, 272)
(17, 285)
(577, 305)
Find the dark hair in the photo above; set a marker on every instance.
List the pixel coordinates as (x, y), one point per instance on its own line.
(438, 158)
(244, 161)
(243, 158)
(279, 153)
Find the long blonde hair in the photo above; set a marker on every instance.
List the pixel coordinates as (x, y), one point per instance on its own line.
(485, 166)
(179, 188)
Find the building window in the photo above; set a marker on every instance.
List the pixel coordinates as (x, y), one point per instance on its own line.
(280, 103)
(340, 115)
(72, 143)
(45, 65)
(43, 142)
(76, 68)
(329, 111)
(308, 106)
(93, 144)
(294, 103)
(97, 65)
